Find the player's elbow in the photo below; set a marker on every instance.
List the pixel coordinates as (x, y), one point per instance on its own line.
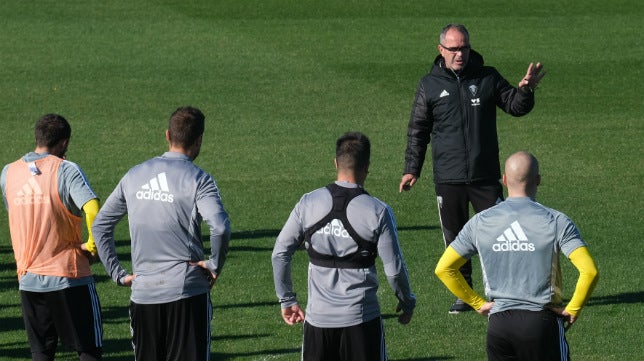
(593, 274)
(441, 272)
(589, 270)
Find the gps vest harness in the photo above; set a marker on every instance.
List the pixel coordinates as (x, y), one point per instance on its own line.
(367, 251)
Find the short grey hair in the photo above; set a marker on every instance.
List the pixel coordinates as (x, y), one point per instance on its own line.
(461, 28)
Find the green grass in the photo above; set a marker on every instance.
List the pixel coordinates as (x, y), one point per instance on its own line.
(278, 82)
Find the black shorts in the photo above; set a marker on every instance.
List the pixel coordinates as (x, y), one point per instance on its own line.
(71, 314)
(172, 331)
(363, 342)
(522, 335)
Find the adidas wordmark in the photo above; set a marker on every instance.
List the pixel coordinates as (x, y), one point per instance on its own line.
(513, 239)
(156, 190)
(30, 193)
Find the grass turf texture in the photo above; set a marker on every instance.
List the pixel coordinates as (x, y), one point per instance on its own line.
(278, 82)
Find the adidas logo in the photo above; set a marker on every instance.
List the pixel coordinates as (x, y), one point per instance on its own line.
(335, 228)
(156, 190)
(30, 193)
(513, 239)
(476, 102)
(444, 94)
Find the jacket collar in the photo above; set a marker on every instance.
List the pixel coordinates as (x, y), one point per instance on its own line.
(474, 65)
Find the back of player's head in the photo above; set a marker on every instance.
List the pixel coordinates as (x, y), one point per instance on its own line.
(352, 151)
(51, 129)
(522, 170)
(185, 127)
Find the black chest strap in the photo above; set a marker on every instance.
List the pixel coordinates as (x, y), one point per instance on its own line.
(367, 251)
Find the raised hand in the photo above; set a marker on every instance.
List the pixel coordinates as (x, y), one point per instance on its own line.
(532, 77)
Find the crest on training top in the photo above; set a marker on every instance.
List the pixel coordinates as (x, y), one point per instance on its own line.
(473, 90)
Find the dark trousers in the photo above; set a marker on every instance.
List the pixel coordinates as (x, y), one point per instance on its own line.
(454, 209)
(521, 335)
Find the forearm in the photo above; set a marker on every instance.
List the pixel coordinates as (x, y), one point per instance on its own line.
(514, 101)
(91, 210)
(588, 277)
(219, 241)
(397, 275)
(448, 272)
(287, 243)
(402, 289)
(211, 210)
(107, 253)
(418, 134)
(282, 280)
(103, 232)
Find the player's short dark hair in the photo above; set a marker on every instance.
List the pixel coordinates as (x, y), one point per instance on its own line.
(51, 129)
(353, 151)
(186, 125)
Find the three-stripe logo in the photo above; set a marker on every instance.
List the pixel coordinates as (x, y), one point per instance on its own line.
(156, 189)
(30, 193)
(513, 239)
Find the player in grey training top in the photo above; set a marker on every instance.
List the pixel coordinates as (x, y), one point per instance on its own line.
(166, 199)
(342, 288)
(510, 237)
(519, 242)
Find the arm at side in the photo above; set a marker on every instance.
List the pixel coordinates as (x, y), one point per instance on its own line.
(588, 277)
(448, 272)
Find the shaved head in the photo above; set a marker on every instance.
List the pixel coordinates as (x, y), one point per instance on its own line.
(522, 175)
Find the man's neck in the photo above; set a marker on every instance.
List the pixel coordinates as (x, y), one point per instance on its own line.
(531, 195)
(350, 178)
(346, 180)
(45, 150)
(180, 150)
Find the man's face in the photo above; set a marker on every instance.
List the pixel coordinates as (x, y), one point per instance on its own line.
(455, 50)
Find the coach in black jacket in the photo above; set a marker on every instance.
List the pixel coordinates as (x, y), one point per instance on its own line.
(455, 107)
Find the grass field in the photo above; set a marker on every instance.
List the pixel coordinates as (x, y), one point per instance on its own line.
(279, 81)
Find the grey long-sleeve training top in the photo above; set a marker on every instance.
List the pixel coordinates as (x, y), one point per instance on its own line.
(340, 297)
(166, 199)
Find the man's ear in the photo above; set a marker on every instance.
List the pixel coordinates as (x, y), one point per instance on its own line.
(505, 180)
(60, 149)
(167, 135)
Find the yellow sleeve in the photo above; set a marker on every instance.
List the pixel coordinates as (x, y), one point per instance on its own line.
(448, 272)
(588, 277)
(91, 210)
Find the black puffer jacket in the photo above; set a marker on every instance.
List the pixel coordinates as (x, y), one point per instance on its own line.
(458, 113)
